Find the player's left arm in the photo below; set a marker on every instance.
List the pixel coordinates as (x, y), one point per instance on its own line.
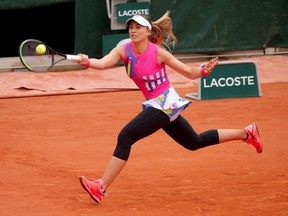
(191, 72)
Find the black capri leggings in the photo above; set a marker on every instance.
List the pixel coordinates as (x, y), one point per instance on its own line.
(150, 120)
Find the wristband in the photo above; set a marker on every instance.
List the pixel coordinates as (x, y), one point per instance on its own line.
(87, 64)
(202, 72)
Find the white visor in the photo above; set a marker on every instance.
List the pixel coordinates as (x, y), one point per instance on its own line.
(140, 20)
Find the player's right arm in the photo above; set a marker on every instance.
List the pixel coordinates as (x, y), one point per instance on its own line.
(107, 61)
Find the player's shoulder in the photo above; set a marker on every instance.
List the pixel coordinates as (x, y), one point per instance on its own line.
(164, 56)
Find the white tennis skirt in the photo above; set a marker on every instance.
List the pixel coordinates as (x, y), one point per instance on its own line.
(169, 102)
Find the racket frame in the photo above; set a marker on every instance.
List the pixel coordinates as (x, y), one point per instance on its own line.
(52, 53)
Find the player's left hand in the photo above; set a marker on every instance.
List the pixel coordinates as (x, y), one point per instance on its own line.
(211, 65)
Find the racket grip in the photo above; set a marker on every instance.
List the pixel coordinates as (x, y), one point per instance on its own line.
(72, 57)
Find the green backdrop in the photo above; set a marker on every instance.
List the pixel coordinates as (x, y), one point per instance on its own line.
(200, 25)
(210, 25)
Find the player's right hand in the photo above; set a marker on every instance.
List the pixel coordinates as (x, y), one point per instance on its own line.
(83, 59)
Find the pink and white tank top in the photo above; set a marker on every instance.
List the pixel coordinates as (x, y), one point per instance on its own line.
(145, 71)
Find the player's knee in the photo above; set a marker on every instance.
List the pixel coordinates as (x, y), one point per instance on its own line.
(125, 140)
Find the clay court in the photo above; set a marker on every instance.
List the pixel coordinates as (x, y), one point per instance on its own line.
(51, 137)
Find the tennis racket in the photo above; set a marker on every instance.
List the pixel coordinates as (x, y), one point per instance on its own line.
(37, 61)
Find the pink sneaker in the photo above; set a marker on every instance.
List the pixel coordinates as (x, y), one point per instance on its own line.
(93, 188)
(254, 137)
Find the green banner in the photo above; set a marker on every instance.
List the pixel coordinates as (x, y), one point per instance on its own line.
(231, 79)
(125, 11)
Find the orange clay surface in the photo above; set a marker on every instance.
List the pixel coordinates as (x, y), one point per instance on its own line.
(47, 142)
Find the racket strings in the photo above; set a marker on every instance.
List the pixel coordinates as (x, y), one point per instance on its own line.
(34, 61)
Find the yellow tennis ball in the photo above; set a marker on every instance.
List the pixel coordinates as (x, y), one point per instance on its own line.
(41, 49)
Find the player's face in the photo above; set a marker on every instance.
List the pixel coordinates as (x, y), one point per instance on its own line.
(138, 32)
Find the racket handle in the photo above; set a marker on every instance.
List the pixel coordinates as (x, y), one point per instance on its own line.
(72, 57)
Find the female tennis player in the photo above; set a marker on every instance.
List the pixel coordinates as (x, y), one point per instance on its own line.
(145, 59)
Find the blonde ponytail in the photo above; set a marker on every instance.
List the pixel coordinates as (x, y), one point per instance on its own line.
(161, 33)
